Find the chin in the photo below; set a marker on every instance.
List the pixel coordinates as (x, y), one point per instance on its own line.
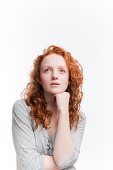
(58, 91)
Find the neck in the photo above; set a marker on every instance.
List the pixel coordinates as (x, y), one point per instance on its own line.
(49, 100)
(51, 105)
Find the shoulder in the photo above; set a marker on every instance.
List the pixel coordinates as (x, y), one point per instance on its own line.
(81, 123)
(20, 102)
(82, 115)
(20, 107)
(82, 120)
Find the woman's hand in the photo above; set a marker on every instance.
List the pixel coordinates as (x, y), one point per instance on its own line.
(61, 102)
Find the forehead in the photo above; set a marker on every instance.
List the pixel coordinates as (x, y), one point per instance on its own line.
(53, 60)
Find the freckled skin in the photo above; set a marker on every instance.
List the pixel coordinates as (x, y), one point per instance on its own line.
(54, 69)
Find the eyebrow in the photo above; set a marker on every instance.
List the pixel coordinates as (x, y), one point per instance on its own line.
(51, 66)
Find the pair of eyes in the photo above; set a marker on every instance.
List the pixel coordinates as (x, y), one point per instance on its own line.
(48, 69)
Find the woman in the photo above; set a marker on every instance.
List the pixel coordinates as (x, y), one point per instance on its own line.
(47, 125)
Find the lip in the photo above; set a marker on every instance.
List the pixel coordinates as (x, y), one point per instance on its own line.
(55, 84)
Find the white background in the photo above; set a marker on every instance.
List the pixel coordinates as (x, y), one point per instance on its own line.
(83, 27)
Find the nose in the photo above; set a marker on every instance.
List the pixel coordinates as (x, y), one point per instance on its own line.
(54, 75)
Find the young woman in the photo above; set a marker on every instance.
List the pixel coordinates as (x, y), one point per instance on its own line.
(47, 124)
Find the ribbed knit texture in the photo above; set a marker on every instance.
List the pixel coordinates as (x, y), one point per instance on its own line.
(31, 145)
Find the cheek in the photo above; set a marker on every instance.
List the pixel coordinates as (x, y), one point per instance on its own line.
(66, 80)
(65, 83)
(44, 79)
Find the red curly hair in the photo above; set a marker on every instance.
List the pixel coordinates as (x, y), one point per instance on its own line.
(33, 93)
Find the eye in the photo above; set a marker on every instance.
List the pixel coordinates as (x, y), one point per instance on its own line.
(46, 70)
(62, 70)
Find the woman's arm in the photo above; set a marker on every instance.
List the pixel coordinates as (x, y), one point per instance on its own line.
(63, 143)
(67, 144)
(28, 157)
(49, 163)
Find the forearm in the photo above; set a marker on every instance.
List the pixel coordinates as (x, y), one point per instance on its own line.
(63, 143)
(49, 163)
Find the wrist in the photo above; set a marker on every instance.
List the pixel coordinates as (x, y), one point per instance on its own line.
(64, 112)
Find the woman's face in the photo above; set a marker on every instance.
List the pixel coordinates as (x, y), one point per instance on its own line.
(54, 69)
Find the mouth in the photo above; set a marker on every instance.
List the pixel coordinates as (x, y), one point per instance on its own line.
(55, 84)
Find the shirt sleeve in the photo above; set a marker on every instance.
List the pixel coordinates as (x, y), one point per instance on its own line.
(27, 155)
(77, 135)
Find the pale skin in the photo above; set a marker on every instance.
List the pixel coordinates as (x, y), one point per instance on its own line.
(58, 102)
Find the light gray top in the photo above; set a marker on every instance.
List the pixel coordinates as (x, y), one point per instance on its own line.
(31, 145)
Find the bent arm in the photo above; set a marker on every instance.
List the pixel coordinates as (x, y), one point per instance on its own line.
(49, 163)
(27, 155)
(67, 144)
(63, 142)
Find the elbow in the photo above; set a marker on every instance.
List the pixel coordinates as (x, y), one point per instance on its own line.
(36, 163)
(70, 161)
